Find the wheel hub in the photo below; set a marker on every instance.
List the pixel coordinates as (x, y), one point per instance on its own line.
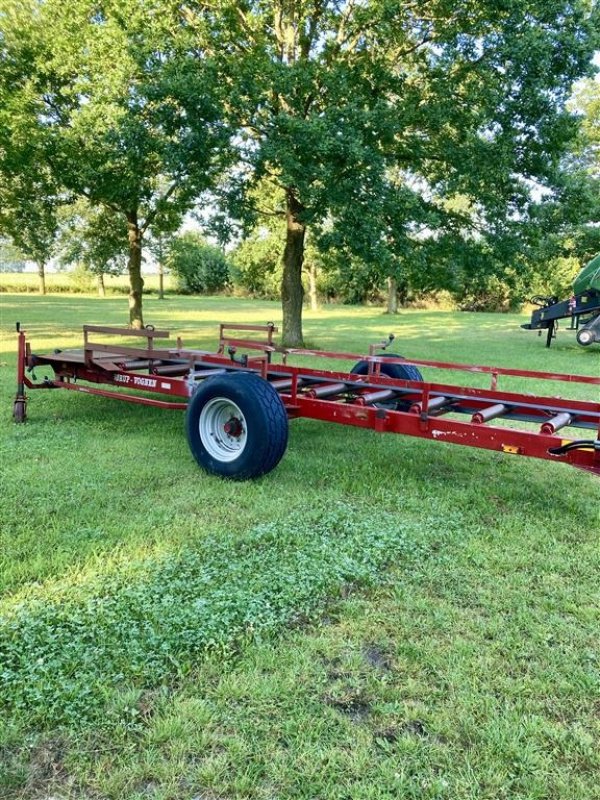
(223, 429)
(234, 427)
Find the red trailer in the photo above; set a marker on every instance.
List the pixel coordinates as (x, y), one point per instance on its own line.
(238, 399)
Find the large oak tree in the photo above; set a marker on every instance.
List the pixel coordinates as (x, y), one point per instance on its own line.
(465, 99)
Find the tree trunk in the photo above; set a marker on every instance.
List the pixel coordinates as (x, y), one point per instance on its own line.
(42, 277)
(161, 270)
(312, 286)
(136, 282)
(161, 280)
(292, 291)
(392, 300)
(101, 286)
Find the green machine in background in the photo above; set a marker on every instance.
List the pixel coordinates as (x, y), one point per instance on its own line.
(582, 308)
(588, 280)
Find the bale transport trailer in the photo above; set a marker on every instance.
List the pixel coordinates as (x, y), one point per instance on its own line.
(238, 399)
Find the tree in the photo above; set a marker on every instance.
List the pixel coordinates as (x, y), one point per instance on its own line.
(463, 99)
(11, 258)
(256, 263)
(586, 151)
(304, 109)
(158, 247)
(94, 238)
(29, 197)
(257, 260)
(566, 234)
(28, 214)
(122, 103)
(586, 103)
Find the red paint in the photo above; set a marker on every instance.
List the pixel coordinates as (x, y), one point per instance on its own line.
(343, 397)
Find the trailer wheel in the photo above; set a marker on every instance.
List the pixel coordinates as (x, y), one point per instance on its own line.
(405, 372)
(585, 337)
(20, 410)
(237, 426)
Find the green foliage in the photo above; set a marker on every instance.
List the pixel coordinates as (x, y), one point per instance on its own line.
(564, 234)
(556, 280)
(216, 596)
(586, 102)
(349, 279)
(394, 147)
(93, 238)
(28, 209)
(488, 294)
(256, 264)
(11, 258)
(393, 131)
(119, 104)
(82, 279)
(200, 268)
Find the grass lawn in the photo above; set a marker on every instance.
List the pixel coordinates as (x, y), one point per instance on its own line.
(380, 617)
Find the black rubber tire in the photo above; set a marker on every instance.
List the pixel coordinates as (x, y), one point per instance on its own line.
(266, 425)
(405, 372)
(20, 411)
(583, 334)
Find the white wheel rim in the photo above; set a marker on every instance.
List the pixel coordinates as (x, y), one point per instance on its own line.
(223, 430)
(585, 336)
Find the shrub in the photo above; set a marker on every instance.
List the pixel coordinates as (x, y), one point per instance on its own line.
(198, 267)
(556, 277)
(83, 280)
(490, 294)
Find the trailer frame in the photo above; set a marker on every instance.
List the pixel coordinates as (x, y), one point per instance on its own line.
(367, 398)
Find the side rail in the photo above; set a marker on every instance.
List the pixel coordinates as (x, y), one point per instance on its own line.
(266, 345)
(375, 362)
(149, 334)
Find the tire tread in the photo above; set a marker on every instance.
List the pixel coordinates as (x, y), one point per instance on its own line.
(263, 396)
(400, 371)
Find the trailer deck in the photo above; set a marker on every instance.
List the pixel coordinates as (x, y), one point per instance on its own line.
(238, 399)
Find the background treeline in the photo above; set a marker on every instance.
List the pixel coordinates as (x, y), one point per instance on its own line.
(192, 265)
(348, 151)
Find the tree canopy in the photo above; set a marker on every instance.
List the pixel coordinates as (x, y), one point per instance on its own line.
(374, 118)
(412, 137)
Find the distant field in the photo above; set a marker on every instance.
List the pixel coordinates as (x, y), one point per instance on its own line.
(380, 618)
(61, 282)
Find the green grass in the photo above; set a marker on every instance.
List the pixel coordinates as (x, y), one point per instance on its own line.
(380, 617)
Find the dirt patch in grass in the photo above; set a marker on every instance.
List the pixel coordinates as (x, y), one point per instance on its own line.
(352, 704)
(46, 771)
(377, 658)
